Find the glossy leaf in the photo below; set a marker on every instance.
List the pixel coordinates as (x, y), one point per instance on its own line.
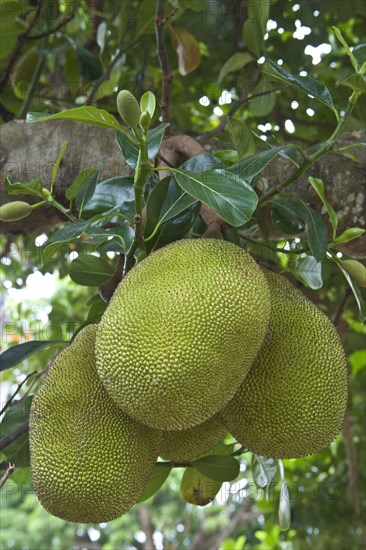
(315, 226)
(236, 62)
(86, 193)
(305, 83)
(116, 193)
(79, 182)
(154, 139)
(356, 82)
(264, 469)
(130, 150)
(16, 354)
(217, 467)
(90, 270)
(148, 103)
(18, 451)
(159, 474)
(359, 53)
(308, 271)
(89, 115)
(318, 185)
(33, 188)
(361, 304)
(225, 193)
(349, 234)
(187, 48)
(241, 137)
(251, 166)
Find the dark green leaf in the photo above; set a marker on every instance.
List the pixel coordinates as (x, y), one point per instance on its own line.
(218, 467)
(130, 150)
(16, 415)
(236, 62)
(308, 271)
(89, 270)
(33, 188)
(121, 241)
(86, 193)
(14, 355)
(224, 192)
(359, 53)
(263, 104)
(253, 36)
(241, 137)
(356, 82)
(318, 185)
(361, 304)
(305, 83)
(159, 474)
(154, 139)
(89, 115)
(58, 162)
(116, 193)
(79, 182)
(264, 469)
(315, 226)
(90, 65)
(287, 221)
(251, 166)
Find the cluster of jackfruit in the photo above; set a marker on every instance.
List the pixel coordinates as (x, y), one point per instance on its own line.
(196, 341)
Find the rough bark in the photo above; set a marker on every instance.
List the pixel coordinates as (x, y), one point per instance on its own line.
(29, 150)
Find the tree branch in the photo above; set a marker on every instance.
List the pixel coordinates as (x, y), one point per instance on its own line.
(7, 474)
(54, 30)
(23, 429)
(10, 400)
(163, 60)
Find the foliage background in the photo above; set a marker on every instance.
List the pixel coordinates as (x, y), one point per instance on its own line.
(74, 67)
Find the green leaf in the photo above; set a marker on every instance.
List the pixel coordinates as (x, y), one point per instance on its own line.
(361, 304)
(305, 83)
(89, 115)
(235, 63)
(251, 166)
(116, 193)
(17, 451)
(253, 36)
(284, 509)
(346, 46)
(33, 188)
(308, 271)
(79, 182)
(58, 162)
(258, 10)
(349, 234)
(264, 469)
(318, 185)
(187, 48)
(217, 467)
(224, 192)
(241, 137)
(154, 139)
(16, 354)
(90, 270)
(121, 241)
(315, 226)
(89, 64)
(159, 474)
(263, 104)
(359, 53)
(86, 193)
(359, 144)
(197, 489)
(130, 150)
(356, 82)
(148, 103)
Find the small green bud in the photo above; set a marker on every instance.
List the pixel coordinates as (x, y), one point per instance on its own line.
(145, 120)
(46, 194)
(356, 270)
(128, 108)
(14, 211)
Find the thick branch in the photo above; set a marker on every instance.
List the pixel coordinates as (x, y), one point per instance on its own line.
(162, 54)
(23, 429)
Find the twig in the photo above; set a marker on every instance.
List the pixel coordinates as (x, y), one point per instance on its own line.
(7, 474)
(21, 40)
(163, 60)
(9, 401)
(107, 73)
(14, 435)
(52, 31)
(29, 389)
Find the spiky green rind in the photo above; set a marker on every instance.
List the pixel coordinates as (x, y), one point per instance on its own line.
(293, 401)
(186, 445)
(89, 460)
(181, 332)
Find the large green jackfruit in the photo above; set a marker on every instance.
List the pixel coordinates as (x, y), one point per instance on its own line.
(293, 401)
(89, 460)
(181, 332)
(186, 445)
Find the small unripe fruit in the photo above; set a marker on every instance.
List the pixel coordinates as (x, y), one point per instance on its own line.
(128, 108)
(46, 194)
(356, 270)
(145, 120)
(14, 211)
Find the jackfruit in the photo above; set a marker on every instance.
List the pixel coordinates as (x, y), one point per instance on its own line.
(293, 401)
(186, 445)
(14, 211)
(89, 460)
(198, 489)
(181, 332)
(128, 108)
